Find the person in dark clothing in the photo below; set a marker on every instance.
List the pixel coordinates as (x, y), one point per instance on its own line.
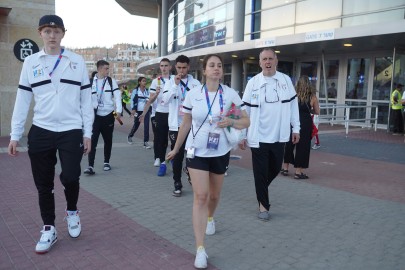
(307, 104)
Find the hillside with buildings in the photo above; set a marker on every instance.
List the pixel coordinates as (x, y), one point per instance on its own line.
(123, 58)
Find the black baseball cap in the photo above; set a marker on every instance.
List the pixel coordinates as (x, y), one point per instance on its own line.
(51, 21)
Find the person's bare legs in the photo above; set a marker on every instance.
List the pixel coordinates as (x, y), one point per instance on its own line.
(216, 181)
(201, 188)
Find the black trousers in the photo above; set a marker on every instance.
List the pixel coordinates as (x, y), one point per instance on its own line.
(267, 161)
(397, 121)
(137, 123)
(177, 160)
(124, 107)
(103, 125)
(153, 122)
(42, 147)
(161, 135)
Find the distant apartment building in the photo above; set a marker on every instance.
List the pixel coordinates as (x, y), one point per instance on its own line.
(123, 58)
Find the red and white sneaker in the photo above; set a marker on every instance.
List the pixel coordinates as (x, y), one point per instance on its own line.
(48, 238)
(74, 225)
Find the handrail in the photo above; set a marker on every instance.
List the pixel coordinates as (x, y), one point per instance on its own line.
(333, 118)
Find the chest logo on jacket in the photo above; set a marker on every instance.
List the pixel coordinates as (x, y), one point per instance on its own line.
(38, 72)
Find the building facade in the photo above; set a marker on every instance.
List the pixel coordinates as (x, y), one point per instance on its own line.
(353, 50)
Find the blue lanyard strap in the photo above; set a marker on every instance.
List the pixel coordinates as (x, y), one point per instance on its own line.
(221, 101)
(57, 62)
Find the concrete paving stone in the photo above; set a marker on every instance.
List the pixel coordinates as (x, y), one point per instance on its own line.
(307, 216)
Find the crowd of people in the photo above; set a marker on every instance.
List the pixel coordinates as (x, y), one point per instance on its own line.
(274, 117)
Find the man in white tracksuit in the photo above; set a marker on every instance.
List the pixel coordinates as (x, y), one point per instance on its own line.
(272, 105)
(58, 81)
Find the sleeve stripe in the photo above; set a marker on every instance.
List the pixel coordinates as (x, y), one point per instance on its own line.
(289, 100)
(40, 83)
(70, 82)
(22, 87)
(85, 86)
(250, 105)
(187, 108)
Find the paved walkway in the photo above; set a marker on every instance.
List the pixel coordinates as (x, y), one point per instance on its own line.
(350, 214)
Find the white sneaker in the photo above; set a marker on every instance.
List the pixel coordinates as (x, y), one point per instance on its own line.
(210, 230)
(157, 162)
(147, 146)
(201, 259)
(316, 146)
(48, 238)
(74, 225)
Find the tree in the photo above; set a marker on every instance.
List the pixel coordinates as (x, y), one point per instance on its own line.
(154, 45)
(147, 46)
(143, 47)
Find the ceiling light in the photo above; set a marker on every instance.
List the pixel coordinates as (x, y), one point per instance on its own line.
(252, 58)
(234, 55)
(278, 51)
(347, 44)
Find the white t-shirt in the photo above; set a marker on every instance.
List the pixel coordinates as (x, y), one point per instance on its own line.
(159, 105)
(196, 104)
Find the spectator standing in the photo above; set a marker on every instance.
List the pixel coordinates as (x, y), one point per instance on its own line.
(207, 146)
(272, 106)
(58, 81)
(396, 111)
(174, 94)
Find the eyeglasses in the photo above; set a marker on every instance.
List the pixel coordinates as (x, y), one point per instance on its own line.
(272, 97)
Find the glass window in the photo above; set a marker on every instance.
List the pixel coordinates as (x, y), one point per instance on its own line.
(382, 78)
(310, 27)
(275, 3)
(311, 70)
(332, 75)
(278, 17)
(278, 32)
(314, 10)
(392, 15)
(357, 78)
(359, 6)
(357, 113)
(383, 110)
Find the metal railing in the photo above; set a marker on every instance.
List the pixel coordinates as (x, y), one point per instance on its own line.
(332, 114)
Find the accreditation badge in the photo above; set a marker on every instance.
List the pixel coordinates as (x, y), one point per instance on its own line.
(213, 141)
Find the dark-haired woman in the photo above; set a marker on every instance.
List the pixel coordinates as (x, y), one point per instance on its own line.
(139, 97)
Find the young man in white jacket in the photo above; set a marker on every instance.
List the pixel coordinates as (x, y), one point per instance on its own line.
(272, 105)
(174, 93)
(58, 81)
(106, 98)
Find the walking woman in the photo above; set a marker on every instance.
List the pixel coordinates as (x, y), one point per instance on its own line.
(139, 97)
(207, 146)
(307, 104)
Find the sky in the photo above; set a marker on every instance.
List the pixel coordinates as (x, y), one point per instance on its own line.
(103, 23)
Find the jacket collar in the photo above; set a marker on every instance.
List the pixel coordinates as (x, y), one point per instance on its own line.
(66, 53)
(262, 81)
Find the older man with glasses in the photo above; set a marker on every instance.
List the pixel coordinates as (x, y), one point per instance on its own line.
(271, 103)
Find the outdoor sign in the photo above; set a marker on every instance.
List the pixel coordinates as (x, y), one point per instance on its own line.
(24, 48)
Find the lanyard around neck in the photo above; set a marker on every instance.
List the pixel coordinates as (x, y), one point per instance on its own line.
(183, 88)
(57, 62)
(221, 101)
(102, 87)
